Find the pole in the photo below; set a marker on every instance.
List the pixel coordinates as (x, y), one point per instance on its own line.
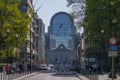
(102, 31)
(26, 52)
(113, 68)
(7, 46)
(30, 61)
(101, 63)
(16, 46)
(30, 52)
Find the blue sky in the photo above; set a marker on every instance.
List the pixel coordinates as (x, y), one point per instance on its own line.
(49, 8)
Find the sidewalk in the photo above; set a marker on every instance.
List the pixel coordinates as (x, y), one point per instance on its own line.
(16, 75)
(25, 76)
(105, 77)
(95, 77)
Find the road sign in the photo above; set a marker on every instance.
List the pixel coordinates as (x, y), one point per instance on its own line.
(112, 53)
(113, 40)
(113, 48)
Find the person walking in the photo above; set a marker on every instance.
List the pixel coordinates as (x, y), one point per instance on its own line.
(14, 67)
(29, 67)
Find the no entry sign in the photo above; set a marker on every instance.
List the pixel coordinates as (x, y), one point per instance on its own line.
(113, 40)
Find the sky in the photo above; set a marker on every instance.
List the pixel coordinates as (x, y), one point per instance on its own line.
(48, 8)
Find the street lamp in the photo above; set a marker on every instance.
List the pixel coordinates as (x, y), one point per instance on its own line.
(17, 35)
(102, 32)
(30, 49)
(26, 46)
(8, 32)
(114, 21)
(16, 45)
(31, 61)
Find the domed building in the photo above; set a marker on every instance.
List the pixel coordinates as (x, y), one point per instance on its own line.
(62, 35)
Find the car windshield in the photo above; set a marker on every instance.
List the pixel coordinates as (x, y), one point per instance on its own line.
(43, 65)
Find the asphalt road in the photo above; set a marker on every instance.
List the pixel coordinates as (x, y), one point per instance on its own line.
(54, 76)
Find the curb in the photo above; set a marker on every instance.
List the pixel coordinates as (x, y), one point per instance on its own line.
(25, 76)
(76, 75)
(80, 76)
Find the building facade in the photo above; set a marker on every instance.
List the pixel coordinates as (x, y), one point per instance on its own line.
(34, 49)
(62, 35)
(42, 41)
(38, 40)
(27, 49)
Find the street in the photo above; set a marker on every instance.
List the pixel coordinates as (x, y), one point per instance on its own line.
(53, 76)
(45, 75)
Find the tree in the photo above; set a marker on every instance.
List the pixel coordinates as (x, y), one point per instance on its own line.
(12, 23)
(100, 15)
(78, 10)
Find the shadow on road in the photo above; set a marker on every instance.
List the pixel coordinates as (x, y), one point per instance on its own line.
(64, 74)
(93, 77)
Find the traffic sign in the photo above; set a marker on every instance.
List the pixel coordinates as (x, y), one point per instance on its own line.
(113, 48)
(112, 53)
(113, 40)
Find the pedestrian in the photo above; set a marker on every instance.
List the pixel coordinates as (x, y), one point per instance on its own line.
(7, 68)
(14, 67)
(29, 67)
(20, 67)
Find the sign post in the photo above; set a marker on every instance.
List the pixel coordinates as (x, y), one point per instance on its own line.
(113, 52)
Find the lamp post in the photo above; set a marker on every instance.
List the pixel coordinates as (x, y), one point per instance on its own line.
(8, 32)
(102, 31)
(114, 21)
(26, 46)
(16, 45)
(30, 49)
(31, 61)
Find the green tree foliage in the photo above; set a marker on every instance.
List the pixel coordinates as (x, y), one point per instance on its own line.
(12, 23)
(100, 15)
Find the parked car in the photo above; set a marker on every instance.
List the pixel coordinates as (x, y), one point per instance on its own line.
(43, 67)
(51, 67)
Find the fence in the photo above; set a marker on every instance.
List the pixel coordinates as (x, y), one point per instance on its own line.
(3, 75)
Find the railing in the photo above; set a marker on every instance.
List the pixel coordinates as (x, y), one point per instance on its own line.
(3, 75)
